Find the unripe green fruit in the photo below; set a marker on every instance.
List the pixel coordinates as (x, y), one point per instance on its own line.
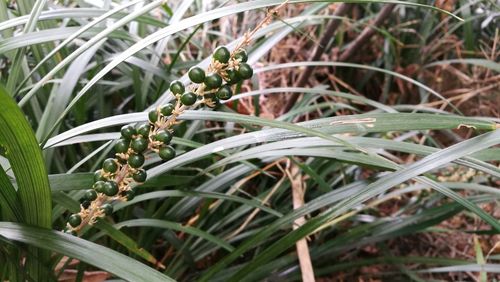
(222, 54)
(224, 93)
(177, 87)
(107, 209)
(245, 71)
(139, 144)
(99, 186)
(166, 153)
(140, 176)
(153, 116)
(241, 56)
(163, 136)
(127, 131)
(98, 176)
(90, 195)
(213, 81)
(167, 109)
(75, 220)
(121, 146)
(130, 194)
(110, 165)
(143, 130)
(196, 74)
(232, 77)
(86, 204)
(188, 98)
(110, 188)
(136, 160)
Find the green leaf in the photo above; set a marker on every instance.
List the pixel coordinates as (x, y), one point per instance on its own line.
(91, 253)
(175, 226)
(9, 200)
(25, 157)
(125, 241)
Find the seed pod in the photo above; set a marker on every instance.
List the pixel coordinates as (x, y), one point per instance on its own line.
(196, 74)
(188, 98)
(222, 54)
(177, 87)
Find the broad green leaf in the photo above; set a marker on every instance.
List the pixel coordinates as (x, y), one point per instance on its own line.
(91, 253)
(25, 157)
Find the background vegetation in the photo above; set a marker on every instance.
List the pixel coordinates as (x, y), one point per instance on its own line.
(366, 143)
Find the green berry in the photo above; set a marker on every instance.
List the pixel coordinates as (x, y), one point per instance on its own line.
(144, 129)
(245, 71)
(130, 194)
(98, 176)
(86, 204)
(110, 165)
(121, 146)
(196, 74)
(224, 93)
(99, 186)
(127, 131)
(139, 144)
(232, 77)
(163, 136)
(90, 195)
(241, 56)
(136, 160)
(177, 87)
(222, 54)
(140, 176)
(213, 81)
(166, 153)
(153, 116)
(110, 188)
(188, 98)
(107, 209)
(75, 220)
(167, 109)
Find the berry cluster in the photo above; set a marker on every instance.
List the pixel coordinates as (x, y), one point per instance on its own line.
(113, 181)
